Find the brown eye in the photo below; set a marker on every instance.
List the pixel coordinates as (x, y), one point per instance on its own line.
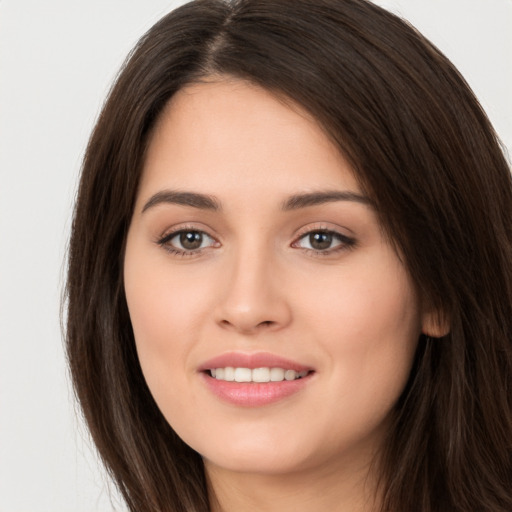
(320, 241)
(191, 240)
(186, 241)
(324, 241)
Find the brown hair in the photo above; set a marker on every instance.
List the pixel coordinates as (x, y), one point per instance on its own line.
(424, 151)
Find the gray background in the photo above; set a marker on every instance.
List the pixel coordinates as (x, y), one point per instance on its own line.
(57, 59)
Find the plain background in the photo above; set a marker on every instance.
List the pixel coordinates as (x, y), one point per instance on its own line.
(57, 60)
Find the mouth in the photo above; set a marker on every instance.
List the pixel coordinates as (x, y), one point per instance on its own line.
(254, 380)
(256, 375)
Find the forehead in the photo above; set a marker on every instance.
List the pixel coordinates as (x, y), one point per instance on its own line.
(232, 134)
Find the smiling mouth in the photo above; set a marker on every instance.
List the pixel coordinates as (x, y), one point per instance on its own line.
(256, 375)
(255, 380)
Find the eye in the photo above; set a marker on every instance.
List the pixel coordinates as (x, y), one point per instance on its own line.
(186, 241)
(324, 241)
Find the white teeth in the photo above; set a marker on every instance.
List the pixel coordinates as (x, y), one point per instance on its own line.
(243, 375)
(276, 374)
(231, 374)
(261, 375)
(290, 375)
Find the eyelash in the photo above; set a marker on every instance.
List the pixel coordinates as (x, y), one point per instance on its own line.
(345, 242)
(164, 242)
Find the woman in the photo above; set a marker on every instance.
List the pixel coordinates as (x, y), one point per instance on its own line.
(290, 273)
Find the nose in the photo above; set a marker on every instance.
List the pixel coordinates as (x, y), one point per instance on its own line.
(253, 296)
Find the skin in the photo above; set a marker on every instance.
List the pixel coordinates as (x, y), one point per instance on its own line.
(350, 312)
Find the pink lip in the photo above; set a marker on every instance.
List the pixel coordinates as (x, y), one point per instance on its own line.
(251, 394)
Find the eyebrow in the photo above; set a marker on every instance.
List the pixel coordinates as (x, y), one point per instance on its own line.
(295, 202)
(316, 198)
(193, 199)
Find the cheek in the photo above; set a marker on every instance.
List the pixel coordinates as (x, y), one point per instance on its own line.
(369, 302)
(369, 324)
(164, 306)
(165, 314)
(162, 316)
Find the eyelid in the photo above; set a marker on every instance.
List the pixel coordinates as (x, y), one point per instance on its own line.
(164, 239)
(346, 242)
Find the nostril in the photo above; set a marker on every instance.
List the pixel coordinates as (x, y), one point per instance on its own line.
(265, 323)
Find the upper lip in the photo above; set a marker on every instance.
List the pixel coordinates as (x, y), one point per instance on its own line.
(254, 360)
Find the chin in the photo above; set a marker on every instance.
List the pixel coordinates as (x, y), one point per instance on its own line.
(250, 452)
(258, 461)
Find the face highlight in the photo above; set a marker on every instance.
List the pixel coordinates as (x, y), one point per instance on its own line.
(274, 323)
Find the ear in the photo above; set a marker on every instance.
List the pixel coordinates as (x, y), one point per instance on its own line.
(435, 324)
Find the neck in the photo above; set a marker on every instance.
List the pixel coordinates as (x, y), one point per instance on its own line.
(325, 488)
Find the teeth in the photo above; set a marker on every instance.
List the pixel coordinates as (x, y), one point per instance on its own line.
(290, 375)
(231, 374)
(276, 374)
(261, 375)
(243, 375)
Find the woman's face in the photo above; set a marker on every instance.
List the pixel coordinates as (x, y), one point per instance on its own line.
(254, 255)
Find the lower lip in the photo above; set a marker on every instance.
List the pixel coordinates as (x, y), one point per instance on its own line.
(254, 394)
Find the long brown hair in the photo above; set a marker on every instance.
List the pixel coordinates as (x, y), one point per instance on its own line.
(421, 147)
